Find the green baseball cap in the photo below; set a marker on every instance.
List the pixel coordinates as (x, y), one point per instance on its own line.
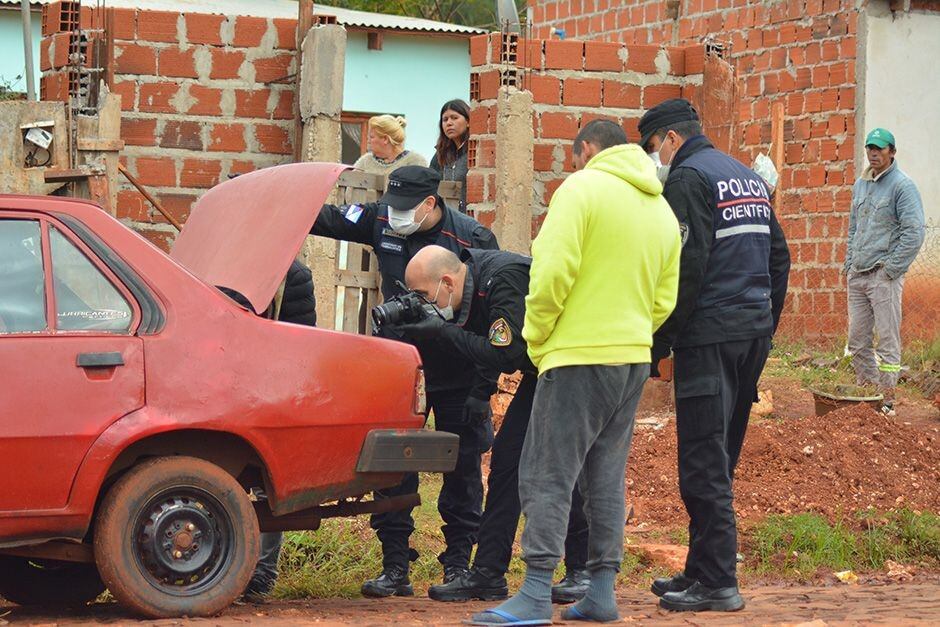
(880, 137)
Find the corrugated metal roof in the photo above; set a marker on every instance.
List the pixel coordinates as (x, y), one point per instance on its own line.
(35, 3)
(288, 9)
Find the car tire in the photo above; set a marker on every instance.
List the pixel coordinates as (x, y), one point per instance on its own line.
(176, 536)
(28, 581)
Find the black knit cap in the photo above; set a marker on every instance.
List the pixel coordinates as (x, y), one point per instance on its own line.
(663, 115)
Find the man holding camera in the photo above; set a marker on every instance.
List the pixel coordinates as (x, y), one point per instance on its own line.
(407, 218)
(487, 289)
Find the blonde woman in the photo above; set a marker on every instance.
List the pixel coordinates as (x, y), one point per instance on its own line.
(387, 147)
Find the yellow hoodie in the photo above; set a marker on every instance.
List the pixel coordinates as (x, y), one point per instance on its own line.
(605, 265)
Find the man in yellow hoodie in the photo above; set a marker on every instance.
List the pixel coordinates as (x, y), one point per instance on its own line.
(604, 276)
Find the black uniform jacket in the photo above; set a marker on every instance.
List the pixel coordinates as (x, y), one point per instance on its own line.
(735, 261)
(368, 224)
(489, 328)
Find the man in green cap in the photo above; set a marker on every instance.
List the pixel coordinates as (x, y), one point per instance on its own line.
(886, 230)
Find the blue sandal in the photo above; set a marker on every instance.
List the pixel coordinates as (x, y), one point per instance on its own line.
(504, 618)
(574, 614)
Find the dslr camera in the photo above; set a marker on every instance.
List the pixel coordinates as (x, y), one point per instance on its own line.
(403, 309)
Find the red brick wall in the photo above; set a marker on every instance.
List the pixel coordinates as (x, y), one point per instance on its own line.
(201, 99)
(798, 52)
(572, 82)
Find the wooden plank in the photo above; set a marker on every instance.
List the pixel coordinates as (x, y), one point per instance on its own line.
(100, 144)
(100, 192)
(71, 174)
(776, 135)
(361, 180)
(777, 148)
(357, 279)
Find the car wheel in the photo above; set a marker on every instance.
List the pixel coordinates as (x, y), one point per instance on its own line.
(176, 536)
(28, 581)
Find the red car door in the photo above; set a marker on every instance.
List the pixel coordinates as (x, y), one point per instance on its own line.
(70, 364)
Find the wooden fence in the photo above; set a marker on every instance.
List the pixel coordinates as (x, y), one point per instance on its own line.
(356, 286)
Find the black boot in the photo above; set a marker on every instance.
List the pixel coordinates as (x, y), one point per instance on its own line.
(477, 583)
(572, 588)
(452, 572)
(699, 598)
(393, 582)
(676, 583)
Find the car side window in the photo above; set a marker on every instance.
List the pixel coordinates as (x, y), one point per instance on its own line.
(22, 280)
(85, 298)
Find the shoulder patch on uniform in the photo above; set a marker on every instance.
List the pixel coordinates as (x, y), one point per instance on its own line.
(500, 333)
(353, 213)
(684, 232)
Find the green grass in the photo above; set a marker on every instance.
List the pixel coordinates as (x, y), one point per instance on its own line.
(788, 360)
(802, 544)
(334, 560)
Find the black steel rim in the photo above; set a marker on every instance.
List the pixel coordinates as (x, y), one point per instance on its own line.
(184, 541)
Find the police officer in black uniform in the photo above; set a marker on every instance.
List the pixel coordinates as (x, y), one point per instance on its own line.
(488, 289)
(407, 218)
(732, 283)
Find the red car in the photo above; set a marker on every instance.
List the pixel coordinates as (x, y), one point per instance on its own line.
(149, 425)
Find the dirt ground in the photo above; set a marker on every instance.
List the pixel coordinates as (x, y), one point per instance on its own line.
(793, 461)
(845, 461)
(915, 603)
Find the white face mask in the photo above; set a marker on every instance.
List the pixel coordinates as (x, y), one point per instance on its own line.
(662, 171)
(403, 222)
(446, 312)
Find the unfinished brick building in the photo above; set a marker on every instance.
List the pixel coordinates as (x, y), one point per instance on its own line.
(827, 62)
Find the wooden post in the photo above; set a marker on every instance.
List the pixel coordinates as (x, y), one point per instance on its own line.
(776, 147)
(304, 23)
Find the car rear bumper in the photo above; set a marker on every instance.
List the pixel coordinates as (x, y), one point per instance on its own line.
(408, 450)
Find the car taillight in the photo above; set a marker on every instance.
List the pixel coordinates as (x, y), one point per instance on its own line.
(421, 399)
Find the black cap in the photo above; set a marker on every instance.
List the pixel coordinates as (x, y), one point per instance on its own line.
(663, 115)
(409, 185)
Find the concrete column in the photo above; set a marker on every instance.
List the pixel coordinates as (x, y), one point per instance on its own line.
(321, 104)
(515, 140)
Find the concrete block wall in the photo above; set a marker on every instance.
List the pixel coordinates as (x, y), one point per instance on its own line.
(203, 96)
(572, 82)
(802, 53)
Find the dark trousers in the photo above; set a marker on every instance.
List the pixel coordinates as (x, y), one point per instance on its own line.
(501, 514)
(265, 575)
(461, 500)
(715, 387)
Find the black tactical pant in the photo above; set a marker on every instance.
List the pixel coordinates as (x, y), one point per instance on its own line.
(502, 511)
(461, 500)
(715, 387)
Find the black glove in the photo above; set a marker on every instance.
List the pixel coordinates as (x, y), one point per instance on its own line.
(659, 351)
(476, 411)
(427, 329)
(654, 369)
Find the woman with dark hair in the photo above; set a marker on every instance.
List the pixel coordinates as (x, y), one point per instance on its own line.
(450, 157)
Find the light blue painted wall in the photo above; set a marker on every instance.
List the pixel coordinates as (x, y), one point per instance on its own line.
(412, 75)
(12, 63)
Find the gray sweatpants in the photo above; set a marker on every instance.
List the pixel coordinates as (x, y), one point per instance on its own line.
(875, 310)
(580, 430)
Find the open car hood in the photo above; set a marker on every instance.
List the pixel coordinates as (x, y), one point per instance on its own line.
(243, 233)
